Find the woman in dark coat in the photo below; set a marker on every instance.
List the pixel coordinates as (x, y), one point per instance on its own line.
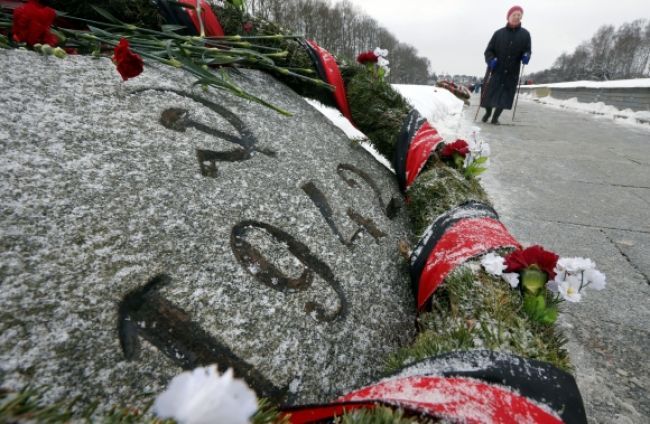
(508, 48)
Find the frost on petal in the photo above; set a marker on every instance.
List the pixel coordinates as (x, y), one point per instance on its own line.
(596, 279)
(574, 265)
(203, 396)
(493, 264)
(511, 278)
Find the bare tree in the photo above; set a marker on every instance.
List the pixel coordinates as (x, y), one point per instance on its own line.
(610, 54)
(344, 30)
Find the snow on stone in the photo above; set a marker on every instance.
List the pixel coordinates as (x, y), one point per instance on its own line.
(98, 197)
(442, 109)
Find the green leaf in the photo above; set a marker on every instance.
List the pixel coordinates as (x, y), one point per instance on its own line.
(99, 31)
(533, 280)
(480, 160)
(171, 28)
(223, 61)
(106, 14)
(237, 3)
(549, 316)
(535, 306)
(459, 160)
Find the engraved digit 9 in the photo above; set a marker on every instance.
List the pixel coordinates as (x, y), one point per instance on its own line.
(268, 274)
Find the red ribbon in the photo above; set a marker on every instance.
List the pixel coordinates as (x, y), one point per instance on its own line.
(424, 142)
(462, 241)
(210, 21)
(458, 399)
(333, 76)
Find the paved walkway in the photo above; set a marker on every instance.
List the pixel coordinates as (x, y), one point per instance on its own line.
(579, 185)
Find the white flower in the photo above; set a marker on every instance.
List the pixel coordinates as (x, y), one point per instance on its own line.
(382, 62)
(595, 279)
(380, 52)
(484, 149)
(553, 285)
(203, 396)
(468, 160)
(574, 265)
(569, 289)
(493, 264)
(511, 278)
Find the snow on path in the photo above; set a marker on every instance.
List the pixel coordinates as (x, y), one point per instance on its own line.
(640, 119)
(628, 83)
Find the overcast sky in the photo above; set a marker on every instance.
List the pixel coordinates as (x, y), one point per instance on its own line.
(454, 33)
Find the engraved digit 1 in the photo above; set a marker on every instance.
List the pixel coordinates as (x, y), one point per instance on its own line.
(143, 312)
(259, 267)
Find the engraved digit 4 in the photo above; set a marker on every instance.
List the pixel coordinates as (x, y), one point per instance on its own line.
(367, 224)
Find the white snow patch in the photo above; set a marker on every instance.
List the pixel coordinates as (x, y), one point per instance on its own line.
(627, 83)
(628, 116)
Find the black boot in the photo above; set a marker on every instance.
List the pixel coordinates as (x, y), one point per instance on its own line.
(495, 118)
(488, 112)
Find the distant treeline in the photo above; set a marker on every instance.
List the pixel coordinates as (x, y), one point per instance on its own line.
(610, 54)
(346, 31)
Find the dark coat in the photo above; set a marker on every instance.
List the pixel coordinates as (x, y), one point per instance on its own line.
(508, 45)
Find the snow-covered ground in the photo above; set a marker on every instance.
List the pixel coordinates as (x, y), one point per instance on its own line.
(628, 83)
(626, 116)
(443, 110)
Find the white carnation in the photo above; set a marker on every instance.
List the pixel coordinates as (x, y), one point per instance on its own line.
(493, 264)
(569, 289)
(380, 52)
(203, 396)
(574, 265)
(511, 278)
(596, 279)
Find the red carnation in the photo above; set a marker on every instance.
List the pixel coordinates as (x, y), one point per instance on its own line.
(367, 57)
(534, 255)
(459, 146)
(32, 23)
(129, 64)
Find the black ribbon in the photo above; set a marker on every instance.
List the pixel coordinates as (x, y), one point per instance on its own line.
(536, 380)
(410, 127)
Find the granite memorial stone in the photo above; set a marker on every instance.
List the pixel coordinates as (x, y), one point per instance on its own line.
(153, 226)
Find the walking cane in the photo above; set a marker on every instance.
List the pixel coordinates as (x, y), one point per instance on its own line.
(483, 90)
(521, 74)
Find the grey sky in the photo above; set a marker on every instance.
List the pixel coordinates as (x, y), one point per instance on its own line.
(454, 33)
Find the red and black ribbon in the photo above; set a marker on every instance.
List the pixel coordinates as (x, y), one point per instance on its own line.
(456, 236)
(536, 380)
(415, 142)
(329, 70)
(456, 399)
(185, 14)
(478, 386)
